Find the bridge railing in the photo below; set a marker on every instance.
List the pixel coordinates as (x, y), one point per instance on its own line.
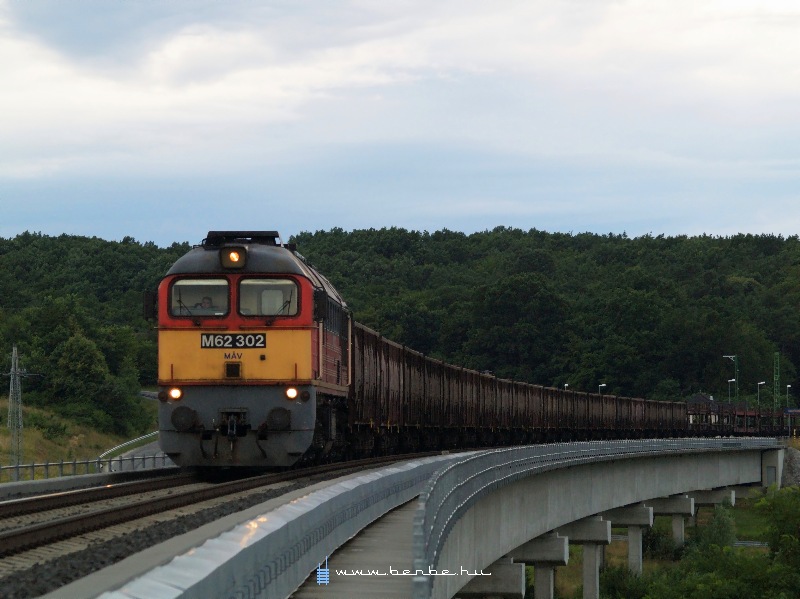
(130, 443)
(455, 488)
(44, 470)
(105, 462)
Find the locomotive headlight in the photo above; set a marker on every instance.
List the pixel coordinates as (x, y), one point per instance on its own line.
(233, 257)
(291, 393)
(175, 393)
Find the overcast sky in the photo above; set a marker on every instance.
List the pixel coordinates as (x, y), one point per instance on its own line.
(164, 119)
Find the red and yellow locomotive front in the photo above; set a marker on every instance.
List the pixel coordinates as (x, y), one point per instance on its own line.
(242, 353)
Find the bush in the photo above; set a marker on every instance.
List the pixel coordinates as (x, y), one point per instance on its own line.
(52, 430)
(617, 582)
(720, 530)
(657, 543)
(782, 508)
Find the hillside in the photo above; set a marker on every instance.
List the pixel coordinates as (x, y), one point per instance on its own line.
(49, 437)
(649, 316)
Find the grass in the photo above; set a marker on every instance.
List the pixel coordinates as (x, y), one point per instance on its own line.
(751, 525)
(48, 437)
(570, 577)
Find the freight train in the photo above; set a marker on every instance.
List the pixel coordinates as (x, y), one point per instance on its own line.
(260, 364)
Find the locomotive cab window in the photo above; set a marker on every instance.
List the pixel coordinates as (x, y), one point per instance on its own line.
(268, 297)
(199, 297)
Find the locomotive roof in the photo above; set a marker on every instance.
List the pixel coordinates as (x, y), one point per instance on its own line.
(218, 238)
(266, 255)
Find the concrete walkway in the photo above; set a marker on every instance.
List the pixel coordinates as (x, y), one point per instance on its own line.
(381, 548)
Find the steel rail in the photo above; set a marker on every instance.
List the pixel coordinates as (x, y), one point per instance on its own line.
(59, 499)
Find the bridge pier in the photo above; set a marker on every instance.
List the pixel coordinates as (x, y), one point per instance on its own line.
(713, 497)
(544, 578)
(678, 507)
(633, 517)
(545, 554)
(594, 534)
(591, 571)
(678, 530)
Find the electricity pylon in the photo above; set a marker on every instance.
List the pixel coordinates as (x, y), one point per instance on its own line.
(15, 409)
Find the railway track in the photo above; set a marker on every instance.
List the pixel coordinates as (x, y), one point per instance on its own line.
(43, 548)
(63, 499)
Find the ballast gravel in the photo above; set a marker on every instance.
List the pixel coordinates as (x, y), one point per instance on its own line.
(47, 577)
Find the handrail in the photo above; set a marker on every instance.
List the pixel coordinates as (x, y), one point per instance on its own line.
(19, 472)
(127, 443)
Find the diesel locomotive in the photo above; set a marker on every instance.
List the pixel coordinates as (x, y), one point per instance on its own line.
(253, 352)
(261, 365)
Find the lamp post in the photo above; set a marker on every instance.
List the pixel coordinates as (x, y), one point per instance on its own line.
(787, 395)
(758, 393)
(566, 386)
(600, 388)
(729, 388)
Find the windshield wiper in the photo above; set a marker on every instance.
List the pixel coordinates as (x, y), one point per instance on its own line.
(182, 305)
(286, 304)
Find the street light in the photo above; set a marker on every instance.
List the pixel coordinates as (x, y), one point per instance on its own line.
(566, 385)
(600, 387)
(787, 395)
(729, 388)
(758, 393)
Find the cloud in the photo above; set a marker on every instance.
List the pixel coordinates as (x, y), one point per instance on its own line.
(686, 61)
(515, 108)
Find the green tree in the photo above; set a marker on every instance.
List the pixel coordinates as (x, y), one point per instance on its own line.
(782, 508)
(720, 529)
(83, 385)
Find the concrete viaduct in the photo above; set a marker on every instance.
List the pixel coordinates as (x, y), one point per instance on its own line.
(455, 526)
(531, 519)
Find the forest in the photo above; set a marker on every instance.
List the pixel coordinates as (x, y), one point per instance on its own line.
(650, 316)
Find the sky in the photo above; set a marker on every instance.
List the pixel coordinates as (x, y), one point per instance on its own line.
(162, 120)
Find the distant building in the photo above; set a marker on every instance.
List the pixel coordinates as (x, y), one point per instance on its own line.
(702, 410)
